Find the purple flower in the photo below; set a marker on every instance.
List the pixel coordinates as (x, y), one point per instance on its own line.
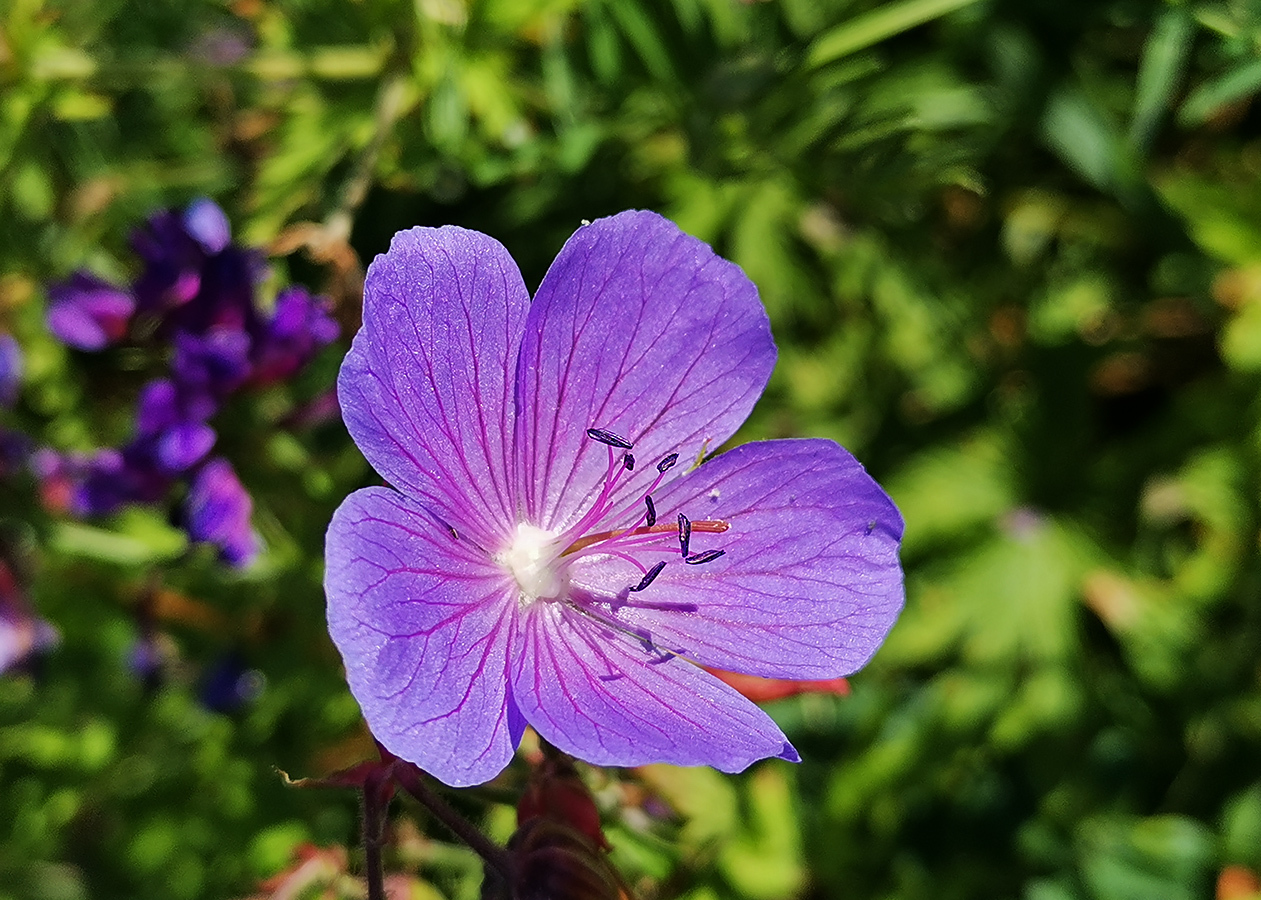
(218, 511)
(80, 483)
(173, 260)
(171, 431)
(88, 313)
(194, 278)
(214, 363)
(10, 369)
(299, 326)
(171, 438)
(551, 556)
(15, 447)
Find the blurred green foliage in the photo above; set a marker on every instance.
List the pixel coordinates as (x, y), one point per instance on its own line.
(1012, 256)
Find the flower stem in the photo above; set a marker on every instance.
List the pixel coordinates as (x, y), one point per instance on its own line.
(373, 837)
(495, 856)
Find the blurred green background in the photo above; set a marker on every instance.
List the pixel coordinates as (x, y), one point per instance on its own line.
(1011, 251)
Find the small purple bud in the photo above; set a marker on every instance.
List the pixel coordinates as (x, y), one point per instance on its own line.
(15, 447)
(184, 445)
(229, 684)
(206, 223)
(171, 429)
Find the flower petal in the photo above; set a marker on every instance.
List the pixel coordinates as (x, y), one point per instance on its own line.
(88, 313)
(207, 224)
(423, 623)
(809, 583)
(599, 695)
(641, 330)
(218, 511)
(426, 389)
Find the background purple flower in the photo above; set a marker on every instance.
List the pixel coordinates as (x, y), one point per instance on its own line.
(88, 313)
(10, 369)
(171, 429)
(549, 557)
(218, 511)
(214, 363)
(299, 326)
(173, 262)
(194, 304)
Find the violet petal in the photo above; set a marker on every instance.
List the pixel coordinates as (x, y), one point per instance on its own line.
(423, 622)
(216, 362)
(809, 583)
(299, 326)
(207, 224)
(602, 697)
(640, 329)
(426, 389)
(88, 313)
(218, 511)
(184, 445)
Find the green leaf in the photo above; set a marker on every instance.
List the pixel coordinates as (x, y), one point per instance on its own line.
(1224, 220)
(1241, 828)
(1240, 82)
(764, 860)
(948, 493)
(1159, 72)
(139, 538)
(1078, 132)
(1241, 339)
(1162, 856)
(884, 22)
(638, 29)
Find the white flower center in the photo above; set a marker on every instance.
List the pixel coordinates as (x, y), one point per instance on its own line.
(533, 561)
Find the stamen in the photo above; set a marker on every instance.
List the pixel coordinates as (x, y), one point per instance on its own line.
(652, 511)
(707, 556)
(608, 437)
(649, 576)
(667, 463)
(637, 535)
(628, 461)
(685, 533)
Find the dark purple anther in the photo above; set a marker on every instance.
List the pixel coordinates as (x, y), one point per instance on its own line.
(667, 463)
(685, 533)
(652, 512)
(608, 437)
(707, 556)
(649, 576)
(628, 460)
